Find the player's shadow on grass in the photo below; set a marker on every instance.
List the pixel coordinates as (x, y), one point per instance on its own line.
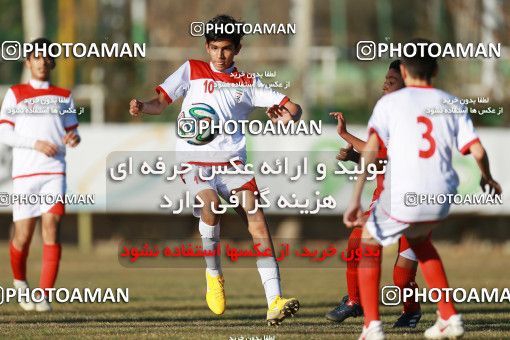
(475, 310)
(499, 324)
(320, 304)
(475, 318)
(192, 308)
(126, 319)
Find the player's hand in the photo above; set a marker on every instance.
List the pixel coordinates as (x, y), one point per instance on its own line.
(47, 148)
(276, 111)
(341, 127)
(72, 139)
(490, 186)
(353, 216)
(135, 107)
(348, 154)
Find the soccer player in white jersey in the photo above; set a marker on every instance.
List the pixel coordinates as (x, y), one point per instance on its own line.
(406, 265)
(419, 147)
(35, 120)
(196, 80)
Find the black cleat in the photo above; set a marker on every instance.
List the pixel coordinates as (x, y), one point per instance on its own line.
(408, 320)
(344, 310)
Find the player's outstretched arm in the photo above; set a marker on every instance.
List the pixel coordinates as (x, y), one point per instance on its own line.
(482, 159)
(341, 128)
(353, 216)
(152, 107)
(290, 111)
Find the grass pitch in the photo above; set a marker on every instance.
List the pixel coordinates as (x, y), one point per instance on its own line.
(170, 303)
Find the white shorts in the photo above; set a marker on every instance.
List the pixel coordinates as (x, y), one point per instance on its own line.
(222, 184)
(387, 230)
(37, 185)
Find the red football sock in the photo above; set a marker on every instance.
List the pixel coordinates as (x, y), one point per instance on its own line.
(18, 262)
(50, 262)
(351, 273)
(434, 274)
(404, 278)
(369, 277)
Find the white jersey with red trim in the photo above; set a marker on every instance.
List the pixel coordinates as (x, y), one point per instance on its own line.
(37, 111)
(232, 94)
(420, 146)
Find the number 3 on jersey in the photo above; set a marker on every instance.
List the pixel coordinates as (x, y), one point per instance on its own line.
(427, 136)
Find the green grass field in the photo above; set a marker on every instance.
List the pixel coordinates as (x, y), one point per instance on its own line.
(170, 303)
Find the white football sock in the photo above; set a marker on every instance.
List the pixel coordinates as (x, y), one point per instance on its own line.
(210, 239)
(270, 276)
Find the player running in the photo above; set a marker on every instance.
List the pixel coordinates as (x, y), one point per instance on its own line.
(193, 80)
(419, 147)
(404, 271)
(37, 121)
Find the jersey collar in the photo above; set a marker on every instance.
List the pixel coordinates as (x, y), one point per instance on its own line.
(421, 86)
(227, 71)
(38, 84)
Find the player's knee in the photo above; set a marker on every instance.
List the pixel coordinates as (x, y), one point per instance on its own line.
(258, 230)
(208, 215)
(21, 240)
(257, 226)
(211, 204)
(21, 237)
(248, 200)
(50, 232)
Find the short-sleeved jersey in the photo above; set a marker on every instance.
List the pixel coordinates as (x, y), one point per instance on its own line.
(231, 94)
(420, 147)
(41, 112)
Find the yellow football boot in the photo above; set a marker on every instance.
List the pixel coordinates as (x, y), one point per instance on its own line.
(281, 308)
(215, 295)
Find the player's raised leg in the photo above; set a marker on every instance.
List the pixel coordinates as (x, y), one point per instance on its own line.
(278, 307)
(18, 249)
(209, 227)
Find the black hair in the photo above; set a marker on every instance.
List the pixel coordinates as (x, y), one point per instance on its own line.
(395, 65)
(42, 44)
(222, 21)
(421, 65)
